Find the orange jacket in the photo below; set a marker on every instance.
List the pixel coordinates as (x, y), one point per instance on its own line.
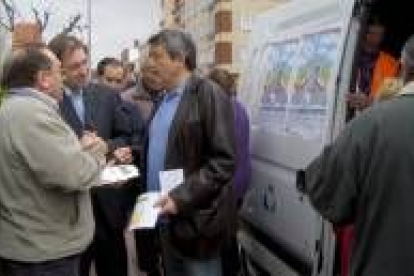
(385, 67)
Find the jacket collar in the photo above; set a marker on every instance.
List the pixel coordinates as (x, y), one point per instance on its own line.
(184, 105)
(33, 93)
(180, 88)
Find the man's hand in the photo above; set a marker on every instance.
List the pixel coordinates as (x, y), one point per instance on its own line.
(87, 140)
(167, 205)
(358, 101)
(94, 145)
(123, 155)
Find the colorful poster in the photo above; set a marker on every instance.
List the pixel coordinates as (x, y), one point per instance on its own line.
(316, 60)
(275, 96)
(315, 65)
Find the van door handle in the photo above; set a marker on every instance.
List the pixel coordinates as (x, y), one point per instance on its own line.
(301, 181)
(269, 199)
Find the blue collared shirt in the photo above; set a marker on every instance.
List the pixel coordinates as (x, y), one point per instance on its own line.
(78, 103)
(158, 136)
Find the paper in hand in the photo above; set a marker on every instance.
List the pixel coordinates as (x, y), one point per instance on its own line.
(118, 173)
(145, 215)
(171, 179)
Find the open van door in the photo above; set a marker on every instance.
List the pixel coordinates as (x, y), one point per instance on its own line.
(294, 86)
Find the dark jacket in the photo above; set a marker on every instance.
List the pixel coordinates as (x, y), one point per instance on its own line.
(201, 141)
(140, 105)
(103, 113)
(366, 177)
(141, 98)
(106, 114)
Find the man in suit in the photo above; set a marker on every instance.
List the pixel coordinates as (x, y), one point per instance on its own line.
(89, 107)
(191, 132)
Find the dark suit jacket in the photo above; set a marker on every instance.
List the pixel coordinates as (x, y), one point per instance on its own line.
(201, 141)
(103, 113)
(106, 114)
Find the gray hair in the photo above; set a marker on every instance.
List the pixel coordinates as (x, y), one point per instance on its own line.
(178, 44)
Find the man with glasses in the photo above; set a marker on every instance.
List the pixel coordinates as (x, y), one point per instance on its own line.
(89, 107)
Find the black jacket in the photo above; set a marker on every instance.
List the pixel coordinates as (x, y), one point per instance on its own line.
(108, 116)
(201, 142)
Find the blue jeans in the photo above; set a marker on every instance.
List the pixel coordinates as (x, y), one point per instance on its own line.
(177, 265)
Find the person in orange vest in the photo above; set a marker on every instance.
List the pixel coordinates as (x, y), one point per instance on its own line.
(374, 67)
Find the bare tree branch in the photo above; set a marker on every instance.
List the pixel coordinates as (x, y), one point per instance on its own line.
(41, 22)
(72, 25)
(4, 25)
(37, 17)
(10, 9)
(46, 17)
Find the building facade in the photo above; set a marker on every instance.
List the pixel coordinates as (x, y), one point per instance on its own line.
(26, 33)
(220, 27)
(171, 14)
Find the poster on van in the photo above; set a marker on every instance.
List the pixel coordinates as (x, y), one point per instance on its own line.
(279, 72)
(309, 94)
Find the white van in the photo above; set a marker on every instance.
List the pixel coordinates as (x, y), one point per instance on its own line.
(302, 61)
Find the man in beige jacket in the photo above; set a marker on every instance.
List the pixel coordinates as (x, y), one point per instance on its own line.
(45, 172)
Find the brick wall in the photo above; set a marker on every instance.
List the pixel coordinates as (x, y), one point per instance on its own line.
(223, 21)
(26, 33)
(223, 52)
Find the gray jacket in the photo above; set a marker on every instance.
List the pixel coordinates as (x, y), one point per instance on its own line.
(366, 178)
(45, 209)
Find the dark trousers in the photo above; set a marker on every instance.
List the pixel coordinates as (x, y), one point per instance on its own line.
(61, 267)
(109, 255)
(231, 262)
(230, 258)
(111, 208)
(149, 251)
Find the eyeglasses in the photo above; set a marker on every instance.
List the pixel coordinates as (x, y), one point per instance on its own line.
(77, 65)
(113, 80)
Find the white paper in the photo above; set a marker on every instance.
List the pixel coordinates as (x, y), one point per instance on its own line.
(171, 179)
(118, 173)
(145, 215)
